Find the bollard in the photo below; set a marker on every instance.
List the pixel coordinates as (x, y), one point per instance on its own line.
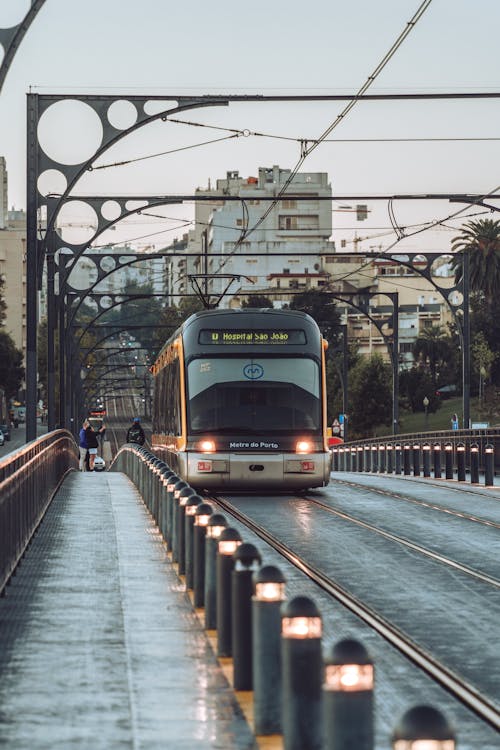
(347, 459)
(360, 458)
(246, 562)
(389, 454)
(489, 456)
(406, 459)
(166, 477)
(397, 458)
(190, 507)
(423, 726)
(461, 462)
(368, 458)
(179, 485)
(348, 697)
(374, 459)
(266, 649)
(416, 459)
(381, 459)
(448, 460)
(437, 460)
(201, 519)
(171, 482)
(301, 630)
(180, 503)
(354, 459)
(228, 541)
(474, 463)
(335, 455)
(426, 457)
(215, 526)
(341, 460)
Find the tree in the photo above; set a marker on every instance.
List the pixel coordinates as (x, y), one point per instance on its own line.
(432, 351)
(414, 386)
(257, 300)
(481, 241)
(3, 304)
(319, 306)
(370, 396)
(11, 369)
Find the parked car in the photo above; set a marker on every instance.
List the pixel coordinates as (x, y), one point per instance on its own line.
(6, 431)
(447, 391)
(2, 439)
(99, 464)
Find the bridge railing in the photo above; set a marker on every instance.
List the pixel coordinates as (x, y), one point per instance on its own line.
(29, 478)
(443, 453)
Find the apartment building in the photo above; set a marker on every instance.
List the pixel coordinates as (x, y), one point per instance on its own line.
(13, 270)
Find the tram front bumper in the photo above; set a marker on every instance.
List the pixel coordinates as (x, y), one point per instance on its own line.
(246, 470)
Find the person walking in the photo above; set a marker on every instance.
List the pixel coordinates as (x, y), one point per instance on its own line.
(92, 445)
(83, 445)
(135, 433)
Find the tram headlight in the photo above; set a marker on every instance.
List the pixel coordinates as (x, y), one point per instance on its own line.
(303, 446)
(207, 446)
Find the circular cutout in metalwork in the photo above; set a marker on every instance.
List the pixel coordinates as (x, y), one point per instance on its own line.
(420, 262)
(70, 132)
(108, 264)
(76, 222)
(83, 274)
(135, 205)
(111, 210)
(441, 267)
(52, 182)
(105, 302)
(122, 114)
(455, 298)
(11, 14)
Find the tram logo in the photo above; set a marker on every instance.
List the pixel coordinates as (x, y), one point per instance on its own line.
(253, 371)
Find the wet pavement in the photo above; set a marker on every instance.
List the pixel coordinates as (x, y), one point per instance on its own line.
(100, 646)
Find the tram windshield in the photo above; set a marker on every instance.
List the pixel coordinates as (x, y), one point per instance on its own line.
(254, 395)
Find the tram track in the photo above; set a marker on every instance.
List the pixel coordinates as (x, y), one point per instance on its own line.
(459, 688)
(423, 503)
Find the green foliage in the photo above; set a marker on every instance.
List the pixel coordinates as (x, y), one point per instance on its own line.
(370, 396)
(257, 300)
(481, 241)
(11, 369)
(414, 386)
(3, 305)
(321, 307)
(433, 352)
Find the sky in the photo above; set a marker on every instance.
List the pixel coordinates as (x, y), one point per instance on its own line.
(159, 47)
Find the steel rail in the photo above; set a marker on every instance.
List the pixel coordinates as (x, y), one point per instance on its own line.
(459, 688)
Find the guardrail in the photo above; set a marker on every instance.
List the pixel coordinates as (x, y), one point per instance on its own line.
(29, 478)
(449, 454)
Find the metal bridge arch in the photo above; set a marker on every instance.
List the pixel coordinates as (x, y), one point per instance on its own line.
(11, 38)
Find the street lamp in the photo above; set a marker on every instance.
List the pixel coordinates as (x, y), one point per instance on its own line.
(426, 404)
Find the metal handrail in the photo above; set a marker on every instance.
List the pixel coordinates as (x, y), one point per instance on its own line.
(29, 478)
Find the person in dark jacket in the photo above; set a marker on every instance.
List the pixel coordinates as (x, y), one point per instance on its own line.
(135, 433)
(83, 446)
(92, 445)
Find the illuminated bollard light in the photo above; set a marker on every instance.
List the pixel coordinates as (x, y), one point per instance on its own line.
(390, 457)
(397, 458)
(474, 463)
(368, 458)
(335, 456)
(156, 467)
(360, 458)
(229, 540)
(448, 461)
(374, 458)
(269, 583)
(215, 526)
(406, 459)
(246, 562)
(201, 519)
(190, 509)
(301, 630)
(180, 501)
(426, 458)
(347, 459)
(354, 459)
(489, 458)
(437, 460)
(416, 459)
(348, 697)
(179, 485)
(461, 462)
(423, 728)
(341, 459)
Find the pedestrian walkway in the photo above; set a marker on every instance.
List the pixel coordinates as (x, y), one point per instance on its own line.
(100, 646)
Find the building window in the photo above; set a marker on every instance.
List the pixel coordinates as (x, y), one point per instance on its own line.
(289, 204)
(288, 222)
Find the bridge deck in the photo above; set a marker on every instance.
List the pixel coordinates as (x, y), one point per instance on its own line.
(100, 645)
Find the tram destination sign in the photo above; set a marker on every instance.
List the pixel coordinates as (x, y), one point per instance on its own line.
(232, 336)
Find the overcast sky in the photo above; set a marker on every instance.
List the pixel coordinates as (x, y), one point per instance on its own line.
(287, 46)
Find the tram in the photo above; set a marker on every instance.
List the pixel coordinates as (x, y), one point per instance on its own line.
(240, 401)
